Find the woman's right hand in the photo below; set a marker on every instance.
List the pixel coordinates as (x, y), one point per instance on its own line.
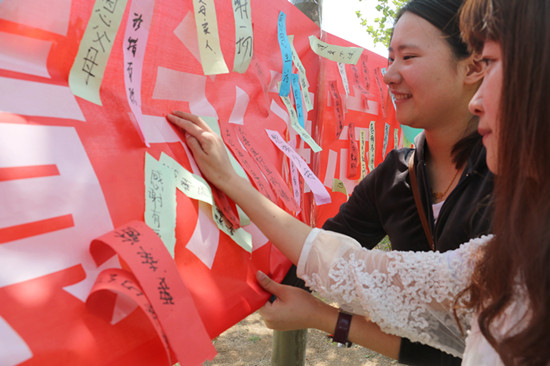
(294, 308)
(207, 147)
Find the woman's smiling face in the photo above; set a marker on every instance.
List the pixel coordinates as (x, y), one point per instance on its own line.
(422, 73)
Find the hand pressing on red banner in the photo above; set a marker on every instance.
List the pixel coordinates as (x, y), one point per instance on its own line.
(207, 148)
(205, 141)
(285, 231)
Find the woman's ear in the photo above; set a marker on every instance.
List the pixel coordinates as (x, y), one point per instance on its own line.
(475, 70)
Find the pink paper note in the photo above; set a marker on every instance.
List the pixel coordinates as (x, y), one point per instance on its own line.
(134, 44)
(320, 193)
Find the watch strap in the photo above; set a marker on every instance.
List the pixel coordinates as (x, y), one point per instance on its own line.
(342, 329)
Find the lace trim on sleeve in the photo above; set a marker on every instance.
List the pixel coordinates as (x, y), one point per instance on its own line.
(409, 294)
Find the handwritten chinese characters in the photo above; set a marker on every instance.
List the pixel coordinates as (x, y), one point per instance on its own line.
(286, 53)
(93, 54)
(160, 201)
(209, 40)
(152, 271)
(353, 152)
(124, 283)
(295, 81)
(196, 187)
(386, 137)
(244, 38)
(362, 148)
(320, 194)
(372, 144)
(347, 55)
(296, 125)
(338, 107)
(134, 45)
(304, 84)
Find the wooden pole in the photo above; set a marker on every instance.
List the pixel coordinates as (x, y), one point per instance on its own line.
(289, 348)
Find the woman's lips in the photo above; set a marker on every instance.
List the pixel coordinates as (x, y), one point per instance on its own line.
(399, 97)
(485, 133)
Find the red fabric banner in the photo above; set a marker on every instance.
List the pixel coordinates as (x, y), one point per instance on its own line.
(72, 170)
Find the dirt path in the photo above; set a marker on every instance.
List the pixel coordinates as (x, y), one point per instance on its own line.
(249, 342)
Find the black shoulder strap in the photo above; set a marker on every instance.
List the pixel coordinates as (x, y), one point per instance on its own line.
(419, 208)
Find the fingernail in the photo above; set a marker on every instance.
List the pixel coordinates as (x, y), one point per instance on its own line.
(260, 275)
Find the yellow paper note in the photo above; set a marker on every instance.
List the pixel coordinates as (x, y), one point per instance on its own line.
(239, 236)
(362, 143)
(304, 84)
(93, 53)
(160, 201)
(209, 39)
(296, 125)
(197, 188)
(338, 186)
(192, 185)
(386, 138)
(372, 144)
(244, 38)
(347, 55)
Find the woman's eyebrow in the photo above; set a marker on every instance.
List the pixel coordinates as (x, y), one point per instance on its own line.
(405, 46)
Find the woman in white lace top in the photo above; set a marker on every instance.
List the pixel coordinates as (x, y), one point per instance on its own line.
(489, 300)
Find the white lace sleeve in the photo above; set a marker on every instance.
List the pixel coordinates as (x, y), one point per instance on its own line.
(409, 294)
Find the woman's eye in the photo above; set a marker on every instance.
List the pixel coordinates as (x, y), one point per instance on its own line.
(408, 57)
(390, 60)
(486, 61)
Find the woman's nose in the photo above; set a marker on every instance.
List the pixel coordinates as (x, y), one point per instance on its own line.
(476, 103)
(392, 75)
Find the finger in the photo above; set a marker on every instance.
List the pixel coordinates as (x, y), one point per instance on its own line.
(268, 284)
(265, 313)
(194, 119)
(264, 310)
(186, 125)
(194, 145)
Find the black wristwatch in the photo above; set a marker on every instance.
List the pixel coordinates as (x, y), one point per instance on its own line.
(341, 331)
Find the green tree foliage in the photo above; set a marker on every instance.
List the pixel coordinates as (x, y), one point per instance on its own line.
(381, 29)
